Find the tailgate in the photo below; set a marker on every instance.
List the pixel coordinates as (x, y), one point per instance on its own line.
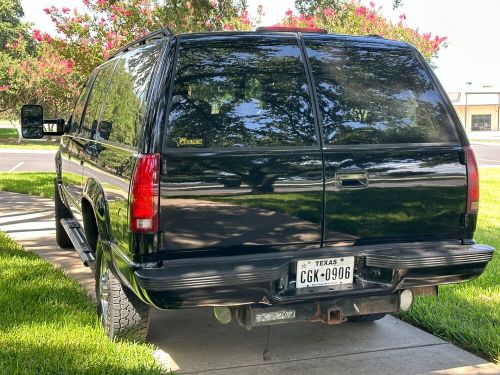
(403, 194)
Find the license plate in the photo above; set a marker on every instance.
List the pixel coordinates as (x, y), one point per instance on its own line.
(324, 272)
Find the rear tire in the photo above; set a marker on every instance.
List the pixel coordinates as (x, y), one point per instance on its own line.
(365, 318)
(61, 212)
(123, 315)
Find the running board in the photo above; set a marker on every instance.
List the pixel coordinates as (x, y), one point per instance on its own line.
(75, 234)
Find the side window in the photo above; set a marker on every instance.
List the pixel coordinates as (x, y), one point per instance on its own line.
(94, 104)
(76, 117)
(376, 95)
(123, 112)
(244, 93)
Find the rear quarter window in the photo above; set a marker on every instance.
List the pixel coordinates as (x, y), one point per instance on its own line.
(371, 94)
(125, 100)
(240, 93)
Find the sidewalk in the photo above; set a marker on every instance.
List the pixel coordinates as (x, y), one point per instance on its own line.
(193, 342)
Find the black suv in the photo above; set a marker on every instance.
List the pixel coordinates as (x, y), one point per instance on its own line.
(276, 175)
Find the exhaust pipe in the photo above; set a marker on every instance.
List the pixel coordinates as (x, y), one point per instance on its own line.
(223, 314)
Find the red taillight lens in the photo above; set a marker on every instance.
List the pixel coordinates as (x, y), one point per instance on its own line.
(472, 181)
(144, 194)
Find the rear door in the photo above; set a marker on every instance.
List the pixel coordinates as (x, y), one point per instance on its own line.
(242, 162)
(392, 155)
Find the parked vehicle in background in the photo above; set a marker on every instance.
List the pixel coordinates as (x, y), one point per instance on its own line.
(280, 175)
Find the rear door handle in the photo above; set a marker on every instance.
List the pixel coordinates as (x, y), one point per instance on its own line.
(351, 179)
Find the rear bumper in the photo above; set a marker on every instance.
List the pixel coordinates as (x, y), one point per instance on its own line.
(269, 278)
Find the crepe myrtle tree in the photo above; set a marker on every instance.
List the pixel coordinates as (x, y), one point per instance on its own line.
(38, 77)
(89, 36)
(354, 18)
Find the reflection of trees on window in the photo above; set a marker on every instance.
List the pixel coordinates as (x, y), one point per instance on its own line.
(376, 95)
(240, 93)
(126, 96)
(76, 117)
(97, 95)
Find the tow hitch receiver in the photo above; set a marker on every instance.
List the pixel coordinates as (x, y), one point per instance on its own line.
(326, 311)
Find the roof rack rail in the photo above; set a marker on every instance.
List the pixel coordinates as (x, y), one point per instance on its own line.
(165, 31)
(375, 36)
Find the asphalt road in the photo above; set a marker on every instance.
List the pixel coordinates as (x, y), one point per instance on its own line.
(19, 160)
(487, 154)
(191, 341)
(43, 161)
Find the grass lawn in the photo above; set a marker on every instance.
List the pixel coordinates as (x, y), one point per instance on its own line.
(6, 133)
(30, 145)
(33, 183)
(48, 324)
(469, 314)
(9, 138)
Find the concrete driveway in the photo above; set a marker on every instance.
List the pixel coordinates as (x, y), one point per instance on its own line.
(191, 341)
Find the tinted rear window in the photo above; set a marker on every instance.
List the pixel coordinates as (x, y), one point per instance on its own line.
(372, 95)
(240, 93)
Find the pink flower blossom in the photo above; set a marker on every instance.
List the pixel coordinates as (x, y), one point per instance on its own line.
(329, 12)
(37, 35)
(372, 4)
(370, 16)
(65, 10)
(4, 88)
(288, 13)
(214, 3)
(112, 17)
(402, 17)
(360, 11)
(46, 10)
(101, 2)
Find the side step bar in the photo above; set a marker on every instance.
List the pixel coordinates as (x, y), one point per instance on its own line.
(75, 234)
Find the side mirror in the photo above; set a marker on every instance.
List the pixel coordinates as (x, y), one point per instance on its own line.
(32, 121)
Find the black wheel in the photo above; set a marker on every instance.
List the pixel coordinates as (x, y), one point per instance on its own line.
(123, 315)
(61, 212)
(365, 318)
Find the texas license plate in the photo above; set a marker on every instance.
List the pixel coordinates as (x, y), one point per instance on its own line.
(324, 272)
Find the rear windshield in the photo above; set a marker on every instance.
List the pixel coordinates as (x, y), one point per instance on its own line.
(374, 94)
(240, 93)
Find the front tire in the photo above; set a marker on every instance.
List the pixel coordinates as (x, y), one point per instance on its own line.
(61, 212)
(123, 315)
(365, 318)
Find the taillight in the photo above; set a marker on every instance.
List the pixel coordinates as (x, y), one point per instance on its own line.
(144, 194)
(472, 181)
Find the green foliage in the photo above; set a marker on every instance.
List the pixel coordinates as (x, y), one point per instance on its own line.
(48, 324)
(11, 25)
